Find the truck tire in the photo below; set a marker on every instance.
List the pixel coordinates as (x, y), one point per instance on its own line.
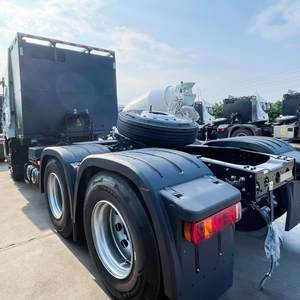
(57, 198)
(242, 132)
(155, 131)
(120, 238)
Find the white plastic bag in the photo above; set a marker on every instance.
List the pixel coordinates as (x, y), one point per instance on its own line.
(273, 242)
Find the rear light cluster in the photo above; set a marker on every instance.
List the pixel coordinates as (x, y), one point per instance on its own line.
(200, 231)
(1, 143)
(220, 129)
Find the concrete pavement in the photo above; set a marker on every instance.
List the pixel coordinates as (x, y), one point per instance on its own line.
(35, 262)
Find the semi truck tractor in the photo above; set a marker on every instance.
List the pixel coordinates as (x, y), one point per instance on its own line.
(242, 116)
(156, 210)
(205, 110)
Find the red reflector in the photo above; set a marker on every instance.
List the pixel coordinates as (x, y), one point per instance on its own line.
(207, 228)
(221, 129)
(1, 143)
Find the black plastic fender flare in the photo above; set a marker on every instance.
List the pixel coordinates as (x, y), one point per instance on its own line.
(152, 170)
(68, 155)
(262, 144)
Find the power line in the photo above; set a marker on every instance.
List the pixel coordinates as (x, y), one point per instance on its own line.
(252, 80)
(255, 87)
(279, 91)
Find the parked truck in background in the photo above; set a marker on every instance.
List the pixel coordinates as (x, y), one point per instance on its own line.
(287, 126)
(242, 116)
(156, 211)
(179, 100)
(205, 110)
(248, 116)
(170, 100)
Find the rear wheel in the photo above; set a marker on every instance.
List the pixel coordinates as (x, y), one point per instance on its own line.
(120, 238)
(242, 132)
(57, 198)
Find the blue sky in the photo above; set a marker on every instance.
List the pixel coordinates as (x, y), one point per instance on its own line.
(227, 47)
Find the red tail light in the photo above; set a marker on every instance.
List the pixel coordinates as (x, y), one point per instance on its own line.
(1, 143)
(201, 231)
(221, 129)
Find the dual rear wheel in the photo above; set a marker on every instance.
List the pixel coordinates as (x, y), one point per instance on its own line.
(118, 231)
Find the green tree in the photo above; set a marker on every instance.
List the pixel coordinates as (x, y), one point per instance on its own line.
(275, 111)
(218, 110)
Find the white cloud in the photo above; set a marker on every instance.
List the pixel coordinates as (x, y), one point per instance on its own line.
(143, 62)
(134, 47)
(62, 19)
(279, 21)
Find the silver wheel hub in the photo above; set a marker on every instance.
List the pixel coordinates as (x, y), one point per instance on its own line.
(55, 195)
(112, 239)
(157, 115)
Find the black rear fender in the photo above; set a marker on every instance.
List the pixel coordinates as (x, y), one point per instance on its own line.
(175, 186)
(69, 157)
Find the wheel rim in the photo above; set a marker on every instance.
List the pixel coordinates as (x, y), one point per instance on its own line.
(241, 134)
(112, 239)
(55, 195)
(158, 115)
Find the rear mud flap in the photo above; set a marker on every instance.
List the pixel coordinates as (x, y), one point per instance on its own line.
(293, 201)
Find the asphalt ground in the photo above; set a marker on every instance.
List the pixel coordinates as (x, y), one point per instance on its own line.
(36, 263)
